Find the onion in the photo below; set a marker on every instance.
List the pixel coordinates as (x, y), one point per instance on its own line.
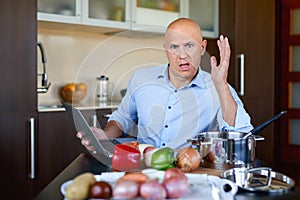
(126, 189)
(188, 159)
(148, 156)
(142, 147)
(175, 183)
(153, 190)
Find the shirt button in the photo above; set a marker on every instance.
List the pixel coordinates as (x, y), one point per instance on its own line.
(175, 90)
(166, 126)
(163, 144)
(169, 107)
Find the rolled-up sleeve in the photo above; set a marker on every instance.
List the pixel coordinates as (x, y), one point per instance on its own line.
(242, 118)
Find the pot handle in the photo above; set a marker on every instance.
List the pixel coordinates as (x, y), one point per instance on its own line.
(261, 171)
(258, 138)
(228, 186)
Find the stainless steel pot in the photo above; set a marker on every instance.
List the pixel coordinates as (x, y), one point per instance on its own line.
(227, 147)
(233, 148)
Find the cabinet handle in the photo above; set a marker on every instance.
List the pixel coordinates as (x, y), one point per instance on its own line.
(32, 149)
(106, 115)
(242, 74)
(94, 120)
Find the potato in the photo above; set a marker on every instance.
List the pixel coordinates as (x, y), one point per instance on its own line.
(79, 188)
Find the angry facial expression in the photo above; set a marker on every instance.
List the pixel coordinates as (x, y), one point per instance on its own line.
(184, 50)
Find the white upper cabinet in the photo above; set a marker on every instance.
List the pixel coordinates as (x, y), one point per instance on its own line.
(206, 13)
(155, 15)
(65, 11)
(140, 15)
(106, 13)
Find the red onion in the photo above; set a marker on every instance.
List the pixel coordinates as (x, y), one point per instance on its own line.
(153, 190)
(175, 182)
(126, 189)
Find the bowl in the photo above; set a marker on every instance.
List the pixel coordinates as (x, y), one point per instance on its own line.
(73, 97)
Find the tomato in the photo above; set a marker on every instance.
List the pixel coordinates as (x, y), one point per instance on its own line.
(101, 189)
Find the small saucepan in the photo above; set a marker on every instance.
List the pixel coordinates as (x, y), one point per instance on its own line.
(233, 148)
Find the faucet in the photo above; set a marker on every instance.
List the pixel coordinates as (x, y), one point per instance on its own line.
(44, 84)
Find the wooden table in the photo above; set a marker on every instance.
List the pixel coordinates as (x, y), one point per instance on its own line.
(87, 163)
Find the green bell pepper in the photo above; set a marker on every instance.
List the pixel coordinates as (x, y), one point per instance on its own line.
(163, 159)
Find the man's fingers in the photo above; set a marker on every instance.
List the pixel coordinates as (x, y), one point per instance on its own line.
(213, 61)
(79, 135)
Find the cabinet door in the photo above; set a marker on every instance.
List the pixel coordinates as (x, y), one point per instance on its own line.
(252, 34)
(97, 118)
(154, 16)
(103, 115)
(18, 76)
(111, 14)
(288, 84)
(66, 11)
(206, 13)
(255, 40)
(58, 144)
(18, 149)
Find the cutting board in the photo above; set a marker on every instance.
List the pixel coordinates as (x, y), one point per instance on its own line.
(212, 168)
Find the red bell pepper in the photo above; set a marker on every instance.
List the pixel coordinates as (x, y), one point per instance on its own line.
(125, 158)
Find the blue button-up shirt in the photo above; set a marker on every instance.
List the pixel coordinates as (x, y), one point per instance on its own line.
(168, 116)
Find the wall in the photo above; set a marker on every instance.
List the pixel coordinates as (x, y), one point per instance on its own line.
(78, 56)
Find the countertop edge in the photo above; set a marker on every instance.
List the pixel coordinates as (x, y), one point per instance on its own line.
(81, 107)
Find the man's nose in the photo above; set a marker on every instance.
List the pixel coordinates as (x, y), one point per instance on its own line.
(182, 53)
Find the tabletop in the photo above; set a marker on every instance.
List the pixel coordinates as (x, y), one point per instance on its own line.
(87, 163)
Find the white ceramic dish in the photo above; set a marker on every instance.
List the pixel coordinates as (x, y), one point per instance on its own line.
(200, 184)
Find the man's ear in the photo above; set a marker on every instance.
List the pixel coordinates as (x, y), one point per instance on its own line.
(203, 47)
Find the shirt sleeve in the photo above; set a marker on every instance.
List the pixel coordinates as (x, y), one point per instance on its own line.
(126, 114)
(242, 119)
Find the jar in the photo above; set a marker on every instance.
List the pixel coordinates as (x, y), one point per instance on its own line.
(102, 88)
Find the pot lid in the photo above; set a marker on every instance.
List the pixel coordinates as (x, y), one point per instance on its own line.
(260, 179)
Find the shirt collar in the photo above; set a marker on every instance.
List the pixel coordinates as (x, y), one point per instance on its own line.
(199, 80)
(164, 74)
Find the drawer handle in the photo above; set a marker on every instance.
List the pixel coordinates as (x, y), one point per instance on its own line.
(106, 115)
(94, 120)
(242, 74)
(32, 148)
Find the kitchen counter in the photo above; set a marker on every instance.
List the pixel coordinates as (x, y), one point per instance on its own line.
(87, 163)
(57, 106)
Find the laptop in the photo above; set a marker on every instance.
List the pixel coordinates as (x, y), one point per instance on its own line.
(104, 149)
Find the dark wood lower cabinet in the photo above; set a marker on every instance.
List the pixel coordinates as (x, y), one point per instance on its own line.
(15, 155)
(58, 145)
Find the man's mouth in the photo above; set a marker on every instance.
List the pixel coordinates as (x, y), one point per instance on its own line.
(184, 66)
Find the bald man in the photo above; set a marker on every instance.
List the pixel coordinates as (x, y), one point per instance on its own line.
(174, 102)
